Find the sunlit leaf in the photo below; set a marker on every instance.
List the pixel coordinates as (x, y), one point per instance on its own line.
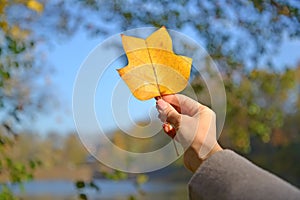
(93, 185)
(19, 33)
(141, 179)
(80, 184)
(83, 196)
(35, 5)
(153, 69)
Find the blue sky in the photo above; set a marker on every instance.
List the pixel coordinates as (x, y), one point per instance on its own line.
(67, 58)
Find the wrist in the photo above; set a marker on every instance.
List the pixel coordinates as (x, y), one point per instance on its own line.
(214, 150)
(194, 160)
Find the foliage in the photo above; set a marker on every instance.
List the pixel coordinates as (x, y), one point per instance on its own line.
(14, 167)
(21, 77)
(259, 102)
(134, 144)
(222, 26)
(81, 185)
(6, 193)
(17, 68)
(260, 99)
(71, 151)
(115, 175)
(18, 63)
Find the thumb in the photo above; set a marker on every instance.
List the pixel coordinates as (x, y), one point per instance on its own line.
(167, 113)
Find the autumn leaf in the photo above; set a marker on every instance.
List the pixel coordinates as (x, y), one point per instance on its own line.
(35, 5)
(153, 69)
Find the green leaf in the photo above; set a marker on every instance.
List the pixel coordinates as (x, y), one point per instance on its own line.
(32, 164)
(141, 179)
(83, 196)
(80, 184)
(6, 193)
(93, 185)
(131, 197)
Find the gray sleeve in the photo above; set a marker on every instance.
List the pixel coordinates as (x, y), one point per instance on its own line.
(227, 175)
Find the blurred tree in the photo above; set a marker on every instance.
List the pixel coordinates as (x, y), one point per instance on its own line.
(221, 26)
(257, 105)
(72, 151)
(140, 145)
(18, 67)
(50, 150)
(240, 35)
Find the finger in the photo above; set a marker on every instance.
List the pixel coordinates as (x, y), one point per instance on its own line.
(162, 117)
(173, 100)
(172, 116)
(183, 104)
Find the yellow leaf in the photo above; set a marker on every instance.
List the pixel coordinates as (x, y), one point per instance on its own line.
(17, 33)
(35, 5)
(3, 4)
(4, 26)
(153, 69)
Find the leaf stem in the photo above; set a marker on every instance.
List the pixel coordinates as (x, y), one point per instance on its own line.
(156, 80)
(175, 147)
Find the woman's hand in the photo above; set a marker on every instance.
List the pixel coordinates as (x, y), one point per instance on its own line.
(193, 126)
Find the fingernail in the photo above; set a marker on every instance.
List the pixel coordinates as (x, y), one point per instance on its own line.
(161, 104)
(169, 130)
(166, 127)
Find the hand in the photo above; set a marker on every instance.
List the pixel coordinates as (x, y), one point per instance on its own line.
(195, 126)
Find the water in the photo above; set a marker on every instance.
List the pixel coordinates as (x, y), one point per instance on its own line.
(109, 190)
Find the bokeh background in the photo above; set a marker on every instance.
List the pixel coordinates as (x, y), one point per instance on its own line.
(255, 44)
